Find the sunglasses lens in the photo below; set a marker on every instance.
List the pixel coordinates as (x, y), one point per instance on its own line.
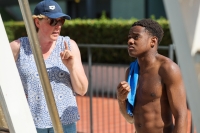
(62, 21)
(54, 22)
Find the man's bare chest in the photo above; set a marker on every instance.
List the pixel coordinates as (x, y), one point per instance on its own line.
(150, 86)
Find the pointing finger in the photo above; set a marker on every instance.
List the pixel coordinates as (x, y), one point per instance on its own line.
(66, 45)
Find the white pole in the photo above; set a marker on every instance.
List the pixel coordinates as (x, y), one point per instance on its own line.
(184, 16)
(12, 96)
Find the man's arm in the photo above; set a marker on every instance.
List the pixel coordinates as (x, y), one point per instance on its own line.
(122, 107)
(122, 91)
(172, 78)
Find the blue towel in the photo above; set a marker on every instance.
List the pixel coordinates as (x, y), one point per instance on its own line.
(132, 81)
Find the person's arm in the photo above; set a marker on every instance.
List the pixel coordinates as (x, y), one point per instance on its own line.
(122, 91)
(72, 60)
(172, 78)
(15, 47)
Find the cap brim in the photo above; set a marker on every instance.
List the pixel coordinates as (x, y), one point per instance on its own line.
(58, 15)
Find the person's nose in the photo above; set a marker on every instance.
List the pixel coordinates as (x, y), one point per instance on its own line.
(130, 41)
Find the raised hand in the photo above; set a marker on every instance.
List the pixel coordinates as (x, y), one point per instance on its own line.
(122, 90)
(67, 56)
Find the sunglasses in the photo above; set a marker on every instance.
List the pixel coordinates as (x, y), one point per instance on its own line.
(54, 22)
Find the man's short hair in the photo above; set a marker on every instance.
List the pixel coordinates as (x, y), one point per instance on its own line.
(153, 27)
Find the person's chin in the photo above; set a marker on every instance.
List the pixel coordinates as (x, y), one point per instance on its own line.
(55, 36)
(131, 54)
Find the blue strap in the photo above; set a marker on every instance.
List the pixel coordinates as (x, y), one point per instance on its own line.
(132, 81)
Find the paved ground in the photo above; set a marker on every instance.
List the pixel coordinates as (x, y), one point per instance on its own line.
(106, 117)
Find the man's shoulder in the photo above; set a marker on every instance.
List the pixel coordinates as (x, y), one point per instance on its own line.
(167, 63)
(168, 67)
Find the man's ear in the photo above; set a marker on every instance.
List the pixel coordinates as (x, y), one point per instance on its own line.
(154, 41)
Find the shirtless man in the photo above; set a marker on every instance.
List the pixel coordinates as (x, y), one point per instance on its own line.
(160, 90)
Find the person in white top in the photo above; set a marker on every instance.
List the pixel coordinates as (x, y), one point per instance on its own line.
(63, 63)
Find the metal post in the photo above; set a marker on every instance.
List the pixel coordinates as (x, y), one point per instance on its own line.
(30, 27)
(90, 87)
(171, 52)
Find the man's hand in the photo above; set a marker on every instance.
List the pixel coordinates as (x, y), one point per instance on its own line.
(122, 91)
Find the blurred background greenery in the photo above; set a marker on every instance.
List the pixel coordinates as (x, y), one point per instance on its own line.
(95, 22)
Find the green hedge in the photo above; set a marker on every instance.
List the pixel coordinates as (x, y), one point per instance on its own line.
(96, 31)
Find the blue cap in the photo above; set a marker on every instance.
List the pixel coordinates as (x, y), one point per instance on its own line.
(50, 9)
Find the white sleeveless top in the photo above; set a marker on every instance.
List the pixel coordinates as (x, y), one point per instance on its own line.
(59, 77)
